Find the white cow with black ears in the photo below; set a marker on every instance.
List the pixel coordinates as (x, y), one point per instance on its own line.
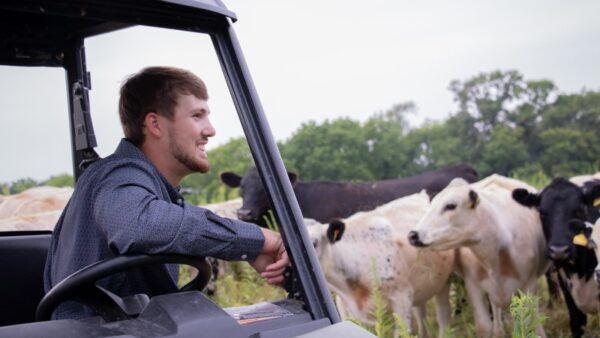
(501, 245)
(407, 277)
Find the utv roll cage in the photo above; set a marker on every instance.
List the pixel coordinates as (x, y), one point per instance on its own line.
(51, 33)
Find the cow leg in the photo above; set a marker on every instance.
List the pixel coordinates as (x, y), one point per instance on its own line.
(497, 321)
(442, 310)
(341, 307)
(420, 319)
(577, 319)
(401, 304)
(551, 277)
(479, 301)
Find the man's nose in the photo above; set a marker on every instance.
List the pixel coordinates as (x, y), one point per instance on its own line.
(209, 130)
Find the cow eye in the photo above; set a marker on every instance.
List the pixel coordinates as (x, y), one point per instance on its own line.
(450, 206)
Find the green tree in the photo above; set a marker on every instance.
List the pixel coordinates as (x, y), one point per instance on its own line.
(334, 150)
(62, 180)
(505, 151)
(568, 151)
(22, 184)
(388, 150)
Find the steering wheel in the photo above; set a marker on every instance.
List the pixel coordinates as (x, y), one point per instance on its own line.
(81, 286)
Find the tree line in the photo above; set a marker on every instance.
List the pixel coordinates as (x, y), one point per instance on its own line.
(503, 124)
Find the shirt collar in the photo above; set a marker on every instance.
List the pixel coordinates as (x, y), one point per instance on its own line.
(127, 149)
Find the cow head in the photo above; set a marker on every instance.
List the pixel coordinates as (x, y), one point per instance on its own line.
(450, 221)
(255, 201)
(323, 236)
(559, 204)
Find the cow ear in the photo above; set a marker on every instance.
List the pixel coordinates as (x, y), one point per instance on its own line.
(473, 199)
(591, 193)
(335, 230)
(525, 198)
(432, 195)
(293, 177)
(230, 179)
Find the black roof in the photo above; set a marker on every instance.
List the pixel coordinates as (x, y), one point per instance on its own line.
(34, 33)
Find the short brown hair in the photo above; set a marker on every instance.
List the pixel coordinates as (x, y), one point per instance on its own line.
(154, 89)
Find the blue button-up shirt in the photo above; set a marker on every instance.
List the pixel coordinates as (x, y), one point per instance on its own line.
(122, 204)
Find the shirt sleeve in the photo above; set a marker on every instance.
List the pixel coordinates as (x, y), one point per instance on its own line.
(135, 219)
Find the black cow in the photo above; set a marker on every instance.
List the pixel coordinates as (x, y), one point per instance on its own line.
(560, 204)
(325, 201)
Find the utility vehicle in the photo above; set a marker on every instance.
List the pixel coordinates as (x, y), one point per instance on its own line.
(52, 33)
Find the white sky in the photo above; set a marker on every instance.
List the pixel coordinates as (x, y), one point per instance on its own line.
(312, 60)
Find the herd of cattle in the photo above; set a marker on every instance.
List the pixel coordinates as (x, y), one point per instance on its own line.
(411, 234)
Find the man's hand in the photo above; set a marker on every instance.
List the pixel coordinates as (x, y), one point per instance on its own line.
(273, 259)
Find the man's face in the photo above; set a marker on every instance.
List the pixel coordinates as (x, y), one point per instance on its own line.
(188, 134)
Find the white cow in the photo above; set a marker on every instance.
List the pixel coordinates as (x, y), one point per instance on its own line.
(225, 209)
(34, 209)
(581, 179)
(591, 239)
(37, 221)
(35, 200)
(407, 277)
(501, 245)
(596, 245)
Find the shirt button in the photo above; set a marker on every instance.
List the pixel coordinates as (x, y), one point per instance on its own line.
(244, 256)
(179, 201)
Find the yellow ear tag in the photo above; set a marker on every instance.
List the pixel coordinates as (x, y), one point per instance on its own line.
(580, 240)
(597, 202)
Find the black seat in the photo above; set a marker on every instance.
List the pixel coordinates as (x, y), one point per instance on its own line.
(22, 260)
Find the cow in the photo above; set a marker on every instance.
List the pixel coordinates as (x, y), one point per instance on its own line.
(595, 240)
(373, 244)
(591, 232)
(36, 208)
(35, 200)
(500, 245)
(581, 179)
(226, 209)
(44, 221)
(324, 201)
(560, 204)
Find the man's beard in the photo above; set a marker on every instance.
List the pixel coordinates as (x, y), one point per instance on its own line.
(183, 158)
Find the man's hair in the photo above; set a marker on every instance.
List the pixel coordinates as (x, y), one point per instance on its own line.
(154, 89)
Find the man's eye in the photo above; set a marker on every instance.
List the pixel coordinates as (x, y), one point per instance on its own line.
(450, 206)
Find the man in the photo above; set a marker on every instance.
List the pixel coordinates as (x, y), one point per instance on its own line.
(129, 202)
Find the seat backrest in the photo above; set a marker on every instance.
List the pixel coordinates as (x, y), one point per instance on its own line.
(22, 260)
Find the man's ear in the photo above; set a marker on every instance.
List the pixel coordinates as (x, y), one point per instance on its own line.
(525, 198)
(230, 179)
(293, 177)
(152, 124)
(335, 230)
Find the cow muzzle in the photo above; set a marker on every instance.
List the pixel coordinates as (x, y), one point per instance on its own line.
(558, 252)
(245, 215)
(414, 240)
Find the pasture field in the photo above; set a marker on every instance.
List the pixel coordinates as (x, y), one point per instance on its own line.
(240, 285)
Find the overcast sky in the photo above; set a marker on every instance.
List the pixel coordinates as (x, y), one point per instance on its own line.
(312, 60)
